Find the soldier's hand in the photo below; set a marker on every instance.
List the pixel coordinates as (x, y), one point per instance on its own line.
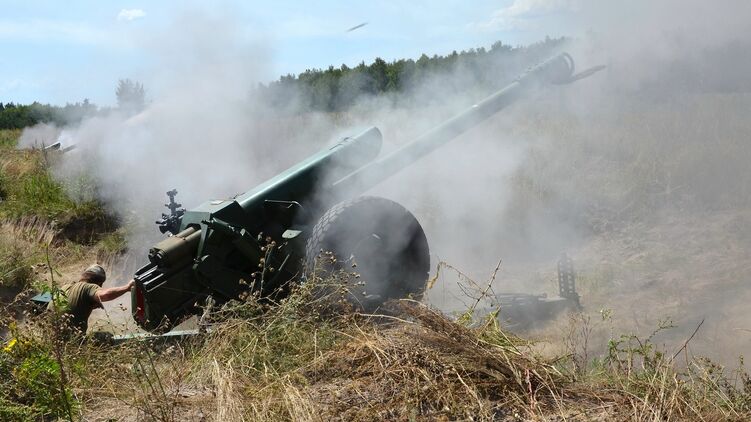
(131, 284)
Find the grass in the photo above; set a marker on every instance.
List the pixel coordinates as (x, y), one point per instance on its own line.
(114, 243)
(28, 190)
(39, 210)
(38, 194)
(26, 185)
(16, 259)
(288, 363)
(9, 138)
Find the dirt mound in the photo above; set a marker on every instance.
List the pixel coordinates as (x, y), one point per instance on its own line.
(432, 367)
(85, 229)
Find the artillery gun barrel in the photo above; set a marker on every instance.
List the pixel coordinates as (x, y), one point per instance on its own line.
(558, 69)
(308, 176)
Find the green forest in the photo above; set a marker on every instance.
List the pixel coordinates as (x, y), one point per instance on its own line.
(17, 116)
(338, 89)
(332, 89)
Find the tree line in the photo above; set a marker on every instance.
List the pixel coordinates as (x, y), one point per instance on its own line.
(335, 88)
(130, 99)
(339, 88)
(17, 116)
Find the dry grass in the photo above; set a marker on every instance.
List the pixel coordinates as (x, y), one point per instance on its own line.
(431, 367)
(285, 362)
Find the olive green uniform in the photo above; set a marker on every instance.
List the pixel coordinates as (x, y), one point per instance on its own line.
(80, 300)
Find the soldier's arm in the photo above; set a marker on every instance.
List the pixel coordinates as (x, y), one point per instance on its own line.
(111, 293)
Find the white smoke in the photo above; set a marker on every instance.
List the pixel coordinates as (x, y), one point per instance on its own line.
(517, 187)
(199, 131)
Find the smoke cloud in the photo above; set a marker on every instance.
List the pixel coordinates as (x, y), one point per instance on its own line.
(639, 172)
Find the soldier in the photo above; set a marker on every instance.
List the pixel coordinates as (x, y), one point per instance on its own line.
(87, 294)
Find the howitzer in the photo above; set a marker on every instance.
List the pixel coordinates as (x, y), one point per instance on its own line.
(257, 242)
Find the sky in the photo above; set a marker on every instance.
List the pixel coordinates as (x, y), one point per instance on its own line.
(58, 52)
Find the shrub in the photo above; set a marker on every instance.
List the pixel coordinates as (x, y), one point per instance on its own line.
(30, 377)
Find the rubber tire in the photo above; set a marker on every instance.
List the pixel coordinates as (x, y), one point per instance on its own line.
(394, 260)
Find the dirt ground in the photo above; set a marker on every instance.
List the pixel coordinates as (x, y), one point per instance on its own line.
(678, 270)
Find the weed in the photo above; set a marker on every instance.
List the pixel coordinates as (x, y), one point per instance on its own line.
(39, 194)
(30, 379)
(15, 265)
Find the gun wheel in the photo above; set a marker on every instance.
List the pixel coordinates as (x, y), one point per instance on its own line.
(371, 246)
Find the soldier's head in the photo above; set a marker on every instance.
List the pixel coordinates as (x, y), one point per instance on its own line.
(94, 274)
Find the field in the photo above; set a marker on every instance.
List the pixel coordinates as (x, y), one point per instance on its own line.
(651, 200)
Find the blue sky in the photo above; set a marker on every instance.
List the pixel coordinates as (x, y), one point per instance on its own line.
(57, 52)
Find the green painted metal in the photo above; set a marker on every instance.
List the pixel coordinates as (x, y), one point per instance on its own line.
(216, 248)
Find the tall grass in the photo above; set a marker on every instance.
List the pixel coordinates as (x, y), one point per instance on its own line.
(27, 187)
(15, 264)
(9, 138)
(38, 194)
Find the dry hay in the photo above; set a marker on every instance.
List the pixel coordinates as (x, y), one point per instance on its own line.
(431, 368)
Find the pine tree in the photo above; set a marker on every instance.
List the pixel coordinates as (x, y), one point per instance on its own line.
(131, 97)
